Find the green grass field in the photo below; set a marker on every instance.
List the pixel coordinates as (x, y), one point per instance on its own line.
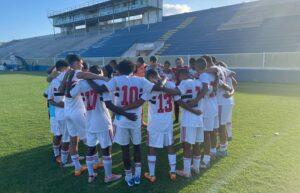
(259, 161)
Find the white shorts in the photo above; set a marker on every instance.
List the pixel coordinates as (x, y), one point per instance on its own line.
(103, 138)
(191, 135)
(63, 128)
(123, 136)
(210, 123)
(225, 113)
(160, 140)
(55, 130)
(76, 125)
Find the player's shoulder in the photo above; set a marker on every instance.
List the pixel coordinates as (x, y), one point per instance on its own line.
(100, 82)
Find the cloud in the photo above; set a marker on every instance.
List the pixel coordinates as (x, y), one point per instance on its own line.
(173, 9)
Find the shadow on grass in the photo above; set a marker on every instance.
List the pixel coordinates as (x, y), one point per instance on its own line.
(34, 171)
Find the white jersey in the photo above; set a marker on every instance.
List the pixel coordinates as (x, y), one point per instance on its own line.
(75, 104)
(225, 78)
(210, 103)
(98, 117)
(55, 95)
(160, 110)
(128, 90)
(189, 90)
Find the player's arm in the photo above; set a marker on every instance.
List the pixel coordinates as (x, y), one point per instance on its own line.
(90, 76)
(60, 104)
(68, 83)
(135, 105)
(62, 86)
(120, 111)
(171, 91)
(234, 83)
(187, 107)
(225, 86)
(98, 88)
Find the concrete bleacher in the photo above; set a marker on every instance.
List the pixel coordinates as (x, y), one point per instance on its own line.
(255, 27)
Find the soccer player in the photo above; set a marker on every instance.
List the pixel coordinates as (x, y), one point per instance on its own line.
(192, 70)
(74, 111)
(225, 99)
(168, 73)
(155, 66)
(99, 127)
(127, 90)
(61, 137)
(191, 124)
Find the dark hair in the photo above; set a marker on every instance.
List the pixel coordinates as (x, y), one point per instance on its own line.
(223, 64)
(214, 59)
(113, 62)
(207, 58)
(109, 70)
(125, 67)
(150, 73)
(85, 66)
(141, 60)
(71, 58)
(95, 69)
(192, 60)
(168, 62)
(201, 63)
(61, 64)
(153, 59)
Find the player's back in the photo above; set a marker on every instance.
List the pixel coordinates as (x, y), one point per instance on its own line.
(127, 90)
(189, 90)
(98, 117)
(160, 109)
(74, 105)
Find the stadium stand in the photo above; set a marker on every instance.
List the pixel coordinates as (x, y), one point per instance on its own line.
(255, 27)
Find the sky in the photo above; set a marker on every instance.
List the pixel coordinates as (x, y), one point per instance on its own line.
(28, 18)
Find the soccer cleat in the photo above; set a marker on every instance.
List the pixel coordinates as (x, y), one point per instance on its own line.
(79, 172)
(92, 178)
(58, 159)
(172, 176)
(98, 165)
(222, 154)
(195, 170)
(112, 178)
(137, 180)
(130, 182)
(151, 179)
(205, 165)
(183, 174)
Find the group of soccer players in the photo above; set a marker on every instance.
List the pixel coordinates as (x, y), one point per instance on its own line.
(85, 105)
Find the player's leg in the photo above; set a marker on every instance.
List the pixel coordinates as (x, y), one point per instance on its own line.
(176, 111)
(197, 150)
(168, 142)
(151, 164)
(229, 124)
(187, 160)
(213, 142)
(122, 137)
(65, 143)
(208, 123)
(56, 148)
(224, 113)
(90, 161)
(136, 139)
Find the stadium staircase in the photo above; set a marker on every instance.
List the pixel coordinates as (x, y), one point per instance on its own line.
(170, 33)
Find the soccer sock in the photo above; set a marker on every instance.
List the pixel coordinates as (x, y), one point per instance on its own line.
(196, 162)
(187, 165)
(90, 160)
(213, 151)
(172, 162)
(229, 129)
(56, 150)
(138, 170)
(206, 159)
(107, 162)
(223, 147)
(96, 158)
(64, 156)
(151, 164)
(128, 175)
(75, 160)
